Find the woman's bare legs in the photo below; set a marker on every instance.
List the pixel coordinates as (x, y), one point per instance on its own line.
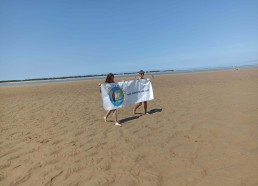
(107, 114)
(114, 115)
(145, 107)
(136, 107)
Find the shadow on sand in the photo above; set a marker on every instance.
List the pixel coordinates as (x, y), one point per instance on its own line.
(152, 111)
(128, 119)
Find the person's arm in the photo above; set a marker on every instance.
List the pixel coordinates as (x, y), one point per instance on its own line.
(100, 87)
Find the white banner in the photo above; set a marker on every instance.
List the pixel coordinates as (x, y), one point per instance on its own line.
(122, 94)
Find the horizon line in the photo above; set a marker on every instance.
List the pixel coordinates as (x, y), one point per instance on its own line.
(232, 67)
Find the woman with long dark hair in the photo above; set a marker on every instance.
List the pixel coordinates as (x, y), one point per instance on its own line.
(110, 79)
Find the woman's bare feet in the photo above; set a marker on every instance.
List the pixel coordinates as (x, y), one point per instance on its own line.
(118, 124)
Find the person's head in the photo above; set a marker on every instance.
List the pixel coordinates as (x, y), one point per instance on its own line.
(110, 78)
(141, 73)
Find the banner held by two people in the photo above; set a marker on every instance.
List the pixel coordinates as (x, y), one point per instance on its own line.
(122, 94)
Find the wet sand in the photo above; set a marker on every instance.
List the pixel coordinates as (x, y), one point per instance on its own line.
(202, 130)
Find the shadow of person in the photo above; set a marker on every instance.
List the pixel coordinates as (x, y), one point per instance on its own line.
(152, 111)
(128, 119)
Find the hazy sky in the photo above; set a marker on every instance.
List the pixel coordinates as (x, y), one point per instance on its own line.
(53, 38)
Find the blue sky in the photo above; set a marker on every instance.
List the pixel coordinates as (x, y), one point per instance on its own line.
(54, 38)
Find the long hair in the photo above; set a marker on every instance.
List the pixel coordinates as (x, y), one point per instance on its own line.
(109, 78)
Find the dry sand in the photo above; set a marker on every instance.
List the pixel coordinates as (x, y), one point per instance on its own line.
(202, 131)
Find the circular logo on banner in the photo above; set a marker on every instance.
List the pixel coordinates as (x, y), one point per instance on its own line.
(116, 96)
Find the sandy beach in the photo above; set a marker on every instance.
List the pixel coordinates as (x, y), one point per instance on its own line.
(202, 131)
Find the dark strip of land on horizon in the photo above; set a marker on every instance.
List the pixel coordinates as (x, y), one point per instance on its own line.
(83, 76)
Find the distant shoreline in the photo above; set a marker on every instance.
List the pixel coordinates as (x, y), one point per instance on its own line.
(119, 75)
(78, 77)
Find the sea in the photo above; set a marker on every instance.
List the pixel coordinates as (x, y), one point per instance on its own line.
(190, 70)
